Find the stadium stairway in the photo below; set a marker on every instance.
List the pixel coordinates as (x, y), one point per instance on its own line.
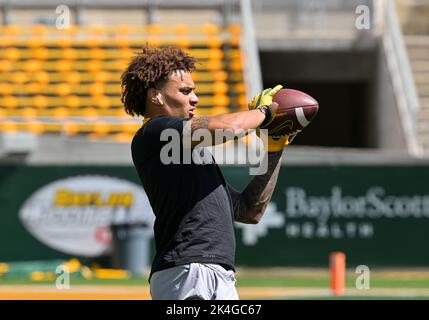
(418, 51)
(68, 81)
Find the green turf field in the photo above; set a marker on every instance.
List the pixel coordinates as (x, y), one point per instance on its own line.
(274, 284)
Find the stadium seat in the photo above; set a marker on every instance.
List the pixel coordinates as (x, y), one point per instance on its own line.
(38, 30)
(211, 29)
(181, 29)
(9, 101)
(10, 54)
(68, 81)
(6, 89)
(10, 30)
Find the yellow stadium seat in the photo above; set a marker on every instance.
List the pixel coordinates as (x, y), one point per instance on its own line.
(96, 89)
(71, 30)
(155, 29)
(183, 42)
(40, 101)
(181, 29)
(70, 128)
(234, 41)
(42, 77)
(234, 29)
(72, 102)
(242, 100)
(236, 65)
(92, 42)
(102, 76)
(220, 88)
(240, 88)
(73, 77)
(215, 54)
(214, 65)
(220, 109)
(6, 89)
(6, 41)
(8, 126)
(103, 102)
(122, 42)
(221, 100)
(69, 54)
(63, 89)
(35, 127)
(214, 42)
(5, 65)
(29, 113)
(102, 129)
(94, 66)
(129, 128)
(34, 42)
(119, 65)
(64, 42)
(123, 29)
(60, 113)
(12, 53)
(97, 30)
(39, 29)
(63, 65)
(33, 88)
(41, 53)
(10, 101)
(11, 30)
(220, 76)
(97, 54)
(19, 77)
(32, 66)
(210, 29)
(52, 76)
(90, 113)
(53, 127)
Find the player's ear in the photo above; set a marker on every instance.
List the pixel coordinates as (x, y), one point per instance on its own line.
(154, 96)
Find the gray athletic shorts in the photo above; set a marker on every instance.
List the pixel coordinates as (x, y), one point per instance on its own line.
(201, 281)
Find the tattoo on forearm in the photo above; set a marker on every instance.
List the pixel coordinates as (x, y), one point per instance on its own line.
(190, 126)
(252, 202)
(200, 123)
(239, 206)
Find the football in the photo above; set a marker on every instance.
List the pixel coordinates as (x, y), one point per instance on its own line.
(295, 111)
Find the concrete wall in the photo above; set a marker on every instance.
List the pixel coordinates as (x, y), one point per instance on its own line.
(354, 90)
(384, 116)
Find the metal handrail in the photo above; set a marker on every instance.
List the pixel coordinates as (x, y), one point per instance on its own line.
(403, 81)
(252, 67)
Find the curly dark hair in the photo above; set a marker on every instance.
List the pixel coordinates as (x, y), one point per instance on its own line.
(149, 69)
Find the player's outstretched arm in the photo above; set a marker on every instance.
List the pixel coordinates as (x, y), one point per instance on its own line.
(237, 123)
(250, 205)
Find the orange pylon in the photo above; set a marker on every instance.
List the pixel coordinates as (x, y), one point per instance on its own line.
(338, 272)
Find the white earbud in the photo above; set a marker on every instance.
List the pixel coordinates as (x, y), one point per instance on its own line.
(159, 99)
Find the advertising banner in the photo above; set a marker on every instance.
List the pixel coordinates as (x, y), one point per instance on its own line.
(376, 215)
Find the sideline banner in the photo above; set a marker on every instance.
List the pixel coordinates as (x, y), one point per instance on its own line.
(376, 215)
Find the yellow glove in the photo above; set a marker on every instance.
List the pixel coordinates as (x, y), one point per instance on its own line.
(264, 98)
(274, 145)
